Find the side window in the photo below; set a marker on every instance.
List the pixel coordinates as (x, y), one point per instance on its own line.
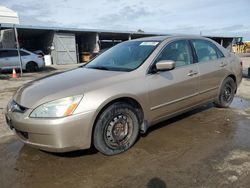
(3, 53)
(206, 51)
(11, 53)
(22, 53)
(178, 51)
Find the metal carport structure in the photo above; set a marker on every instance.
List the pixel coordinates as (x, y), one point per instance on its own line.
(8, 16)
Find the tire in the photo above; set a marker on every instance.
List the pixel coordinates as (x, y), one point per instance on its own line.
(32, 67)
(227, 92)
(116, 129)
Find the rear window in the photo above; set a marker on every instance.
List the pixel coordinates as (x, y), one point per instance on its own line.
(24, 53)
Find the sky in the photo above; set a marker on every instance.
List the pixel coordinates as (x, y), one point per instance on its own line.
(209, 17)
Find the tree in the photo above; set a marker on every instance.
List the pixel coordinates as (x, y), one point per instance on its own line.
(140, 31)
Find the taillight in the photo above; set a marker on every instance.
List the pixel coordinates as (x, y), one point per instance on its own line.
(241, 63)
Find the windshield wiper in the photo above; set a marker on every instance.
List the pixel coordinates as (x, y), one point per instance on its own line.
(99, 68)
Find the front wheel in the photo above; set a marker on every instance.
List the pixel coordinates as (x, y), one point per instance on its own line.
(227, 92)
(116, 129)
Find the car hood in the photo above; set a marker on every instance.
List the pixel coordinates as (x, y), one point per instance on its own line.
(60, 85)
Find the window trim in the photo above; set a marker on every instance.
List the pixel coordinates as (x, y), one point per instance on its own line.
(150, 68)
(195, 57)
(219, 51)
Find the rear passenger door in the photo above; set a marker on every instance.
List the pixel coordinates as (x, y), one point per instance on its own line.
(13, 58)
(174, 90)
(212, 68)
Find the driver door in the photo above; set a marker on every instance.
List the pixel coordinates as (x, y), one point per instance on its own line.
(173, 90)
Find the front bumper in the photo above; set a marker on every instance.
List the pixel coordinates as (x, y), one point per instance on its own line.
(55, 134)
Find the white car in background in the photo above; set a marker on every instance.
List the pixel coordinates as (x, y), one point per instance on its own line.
(30, 61)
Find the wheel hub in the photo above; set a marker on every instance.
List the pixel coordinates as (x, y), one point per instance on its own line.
(227, 94)
(118, 130)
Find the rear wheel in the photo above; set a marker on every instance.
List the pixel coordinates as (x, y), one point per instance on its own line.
(227, 93)
(32, 67)
(116, 129)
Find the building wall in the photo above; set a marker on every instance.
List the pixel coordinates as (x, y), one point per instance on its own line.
(63, 49)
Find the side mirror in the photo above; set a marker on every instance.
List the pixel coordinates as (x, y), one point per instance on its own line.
(165, 65)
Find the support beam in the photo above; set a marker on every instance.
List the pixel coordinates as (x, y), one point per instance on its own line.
(97, 43)
(129, 37)
(18, 51)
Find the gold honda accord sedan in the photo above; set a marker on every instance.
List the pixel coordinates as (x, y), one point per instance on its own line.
(122, 92)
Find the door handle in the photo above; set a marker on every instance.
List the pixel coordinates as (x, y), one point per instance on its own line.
(222, 64)
(192, 73)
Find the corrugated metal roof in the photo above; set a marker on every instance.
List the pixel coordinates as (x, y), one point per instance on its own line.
(78, 29)
(105, 31)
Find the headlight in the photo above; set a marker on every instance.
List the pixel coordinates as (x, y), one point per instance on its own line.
(58, 108)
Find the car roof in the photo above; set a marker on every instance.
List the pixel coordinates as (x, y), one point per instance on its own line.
(162, 38)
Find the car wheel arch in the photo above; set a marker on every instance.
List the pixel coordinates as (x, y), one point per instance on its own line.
(128, 100)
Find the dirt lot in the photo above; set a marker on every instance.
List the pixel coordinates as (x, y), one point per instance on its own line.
(207, 147)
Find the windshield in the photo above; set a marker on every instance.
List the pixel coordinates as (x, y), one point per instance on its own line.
(126, 56)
